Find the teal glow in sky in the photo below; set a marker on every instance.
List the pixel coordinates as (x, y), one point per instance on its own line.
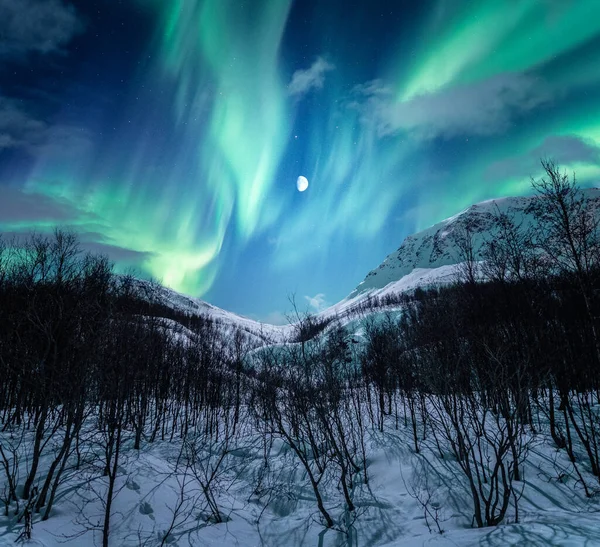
(170, 135)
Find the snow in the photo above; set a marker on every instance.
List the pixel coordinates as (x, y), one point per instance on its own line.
(435, 246)
(552, 509)
(260, 332)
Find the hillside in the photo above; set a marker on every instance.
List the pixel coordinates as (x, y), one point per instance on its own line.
(190, 306)
(431, 256)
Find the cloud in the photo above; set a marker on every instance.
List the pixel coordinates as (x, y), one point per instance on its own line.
(317, 303)
(98, 243)
(564, 150)
(123, 256)
(23, 130)
(304, 81)
(17, 206)
(42, 26)
(483, 108)
(16, 126)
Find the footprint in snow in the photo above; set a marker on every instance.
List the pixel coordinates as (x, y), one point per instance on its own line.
(147, 509)
(132, 485)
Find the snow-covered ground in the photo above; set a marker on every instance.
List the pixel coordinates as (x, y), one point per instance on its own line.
(275, 506)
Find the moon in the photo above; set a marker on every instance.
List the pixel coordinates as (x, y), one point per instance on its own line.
(302, 183)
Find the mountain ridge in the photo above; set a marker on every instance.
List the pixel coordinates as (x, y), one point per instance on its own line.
(426, 258)
(435, 248)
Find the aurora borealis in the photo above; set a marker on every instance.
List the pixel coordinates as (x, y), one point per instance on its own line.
(170, 134)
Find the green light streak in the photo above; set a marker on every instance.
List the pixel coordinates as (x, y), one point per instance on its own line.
(219, 61)
(493, 36)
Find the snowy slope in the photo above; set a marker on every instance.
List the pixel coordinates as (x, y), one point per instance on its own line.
(194, 306)
(553, 509)
(431, 256)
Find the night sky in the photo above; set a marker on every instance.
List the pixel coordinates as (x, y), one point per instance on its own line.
(170, 133)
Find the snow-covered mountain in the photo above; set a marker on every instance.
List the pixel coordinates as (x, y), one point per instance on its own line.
(427, 258)
(229, 321)
(432, 255)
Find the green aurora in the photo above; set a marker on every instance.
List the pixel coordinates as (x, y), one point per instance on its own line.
(183, 161)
